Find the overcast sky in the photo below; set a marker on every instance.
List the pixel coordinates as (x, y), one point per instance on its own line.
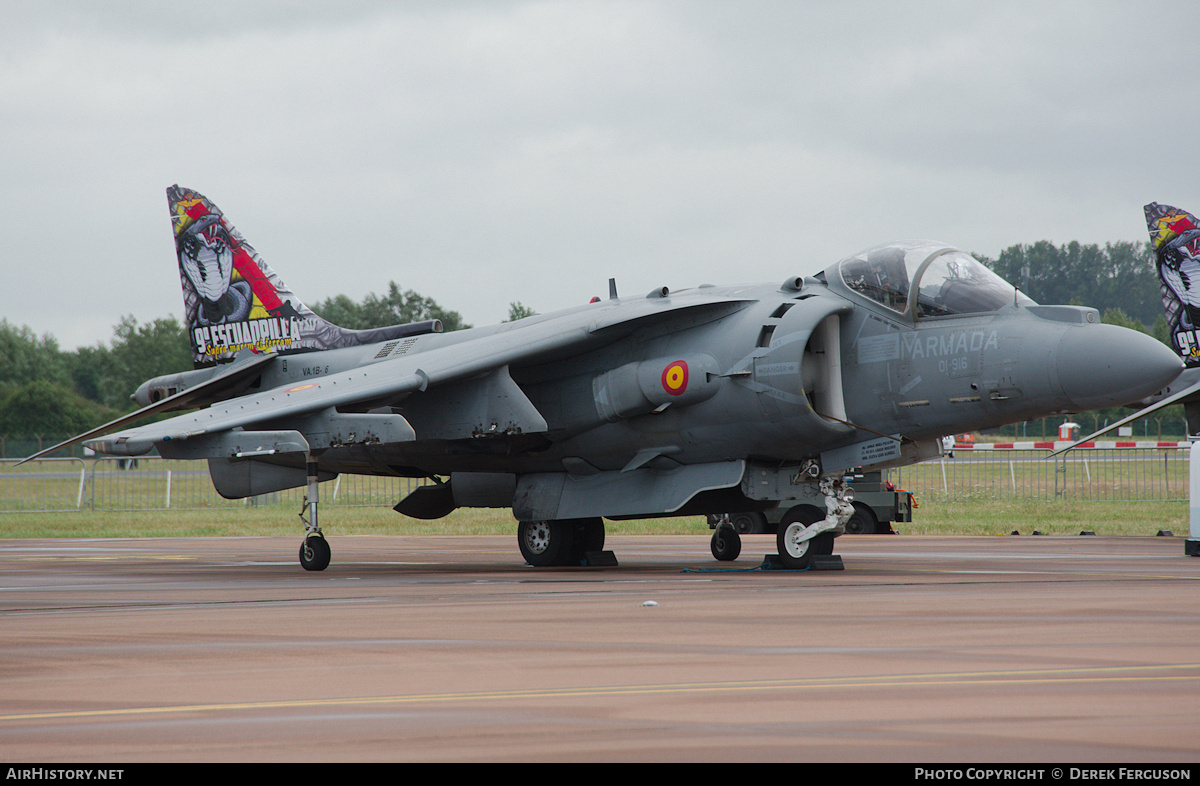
(488, 152)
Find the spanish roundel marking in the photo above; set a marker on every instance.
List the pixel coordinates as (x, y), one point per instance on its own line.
(675, 378)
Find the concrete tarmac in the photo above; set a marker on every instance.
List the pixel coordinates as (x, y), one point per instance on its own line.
(442, 648)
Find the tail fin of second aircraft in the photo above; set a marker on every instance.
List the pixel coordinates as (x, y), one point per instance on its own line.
(235, 303)
(1175, 235)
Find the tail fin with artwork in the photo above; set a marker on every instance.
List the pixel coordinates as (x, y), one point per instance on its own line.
(1175, 236)
(235, 303)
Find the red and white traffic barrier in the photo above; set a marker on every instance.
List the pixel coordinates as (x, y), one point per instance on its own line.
(1064, 444)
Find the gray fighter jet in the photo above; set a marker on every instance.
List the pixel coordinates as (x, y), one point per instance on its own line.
(676, 402)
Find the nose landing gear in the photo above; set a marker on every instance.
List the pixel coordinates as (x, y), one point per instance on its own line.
(803, 536)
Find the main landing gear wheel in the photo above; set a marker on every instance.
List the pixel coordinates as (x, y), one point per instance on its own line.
(559, 542)
(747, 523)
(541, 542)
(315, 553)
(795, 553)
(726, 544)
(863, 522)
(589, 536)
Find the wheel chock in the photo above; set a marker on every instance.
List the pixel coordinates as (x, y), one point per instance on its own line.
(829, 562)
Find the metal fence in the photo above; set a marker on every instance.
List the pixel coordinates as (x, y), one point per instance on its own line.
(152, 483)
(1115, 474)
(1094, 474)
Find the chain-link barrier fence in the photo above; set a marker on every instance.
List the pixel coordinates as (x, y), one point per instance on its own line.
(152, 483)
(1110, 474)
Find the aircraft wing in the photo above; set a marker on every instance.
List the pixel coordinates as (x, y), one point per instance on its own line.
(228, 378)
(392, 379)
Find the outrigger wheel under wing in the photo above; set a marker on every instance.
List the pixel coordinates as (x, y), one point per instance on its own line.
(314, 551)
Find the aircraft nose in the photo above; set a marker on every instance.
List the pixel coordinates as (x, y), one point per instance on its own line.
(1109, 366)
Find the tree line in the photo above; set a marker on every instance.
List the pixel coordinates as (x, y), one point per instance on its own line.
(51, 393)
(1115, 277)
(1120, 281)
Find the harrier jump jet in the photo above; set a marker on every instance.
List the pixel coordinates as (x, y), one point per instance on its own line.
(692, 401)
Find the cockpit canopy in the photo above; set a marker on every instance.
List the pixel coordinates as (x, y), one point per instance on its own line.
(946, 281)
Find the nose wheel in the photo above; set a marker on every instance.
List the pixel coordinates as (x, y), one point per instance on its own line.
(804, 534)
(796, 549)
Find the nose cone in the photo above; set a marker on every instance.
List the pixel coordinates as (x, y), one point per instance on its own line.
(1109, 366)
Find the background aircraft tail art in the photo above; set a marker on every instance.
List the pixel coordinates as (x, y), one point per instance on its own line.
(235, 303)
(1175, 235)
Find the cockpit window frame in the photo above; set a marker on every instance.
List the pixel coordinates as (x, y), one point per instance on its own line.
(912, 306)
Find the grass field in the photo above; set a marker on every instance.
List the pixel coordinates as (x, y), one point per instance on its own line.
(1097, 475)
(990, 517)
(1126, 492)
(1001, 517)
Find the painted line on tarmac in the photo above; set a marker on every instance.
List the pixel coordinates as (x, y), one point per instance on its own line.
(949, 679)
